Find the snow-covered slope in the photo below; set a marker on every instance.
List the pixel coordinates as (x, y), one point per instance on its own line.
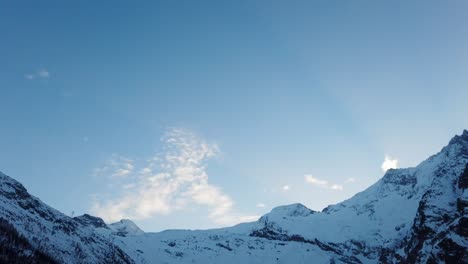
(66, 239)
(413, 215)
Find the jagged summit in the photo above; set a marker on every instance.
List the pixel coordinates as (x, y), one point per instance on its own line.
(460, 138)
(5, 179)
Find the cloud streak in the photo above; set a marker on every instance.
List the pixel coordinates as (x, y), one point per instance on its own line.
(175, 179)
(350, 180)
(42, 74)
(117, 166)
(322, 183)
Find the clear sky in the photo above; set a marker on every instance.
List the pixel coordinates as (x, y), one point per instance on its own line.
(198, 114)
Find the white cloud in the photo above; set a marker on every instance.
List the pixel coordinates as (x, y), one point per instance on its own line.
(145, 171)
(310, 179)
(126, 169)
(121, 173)
(43, 74)
(117, 166)
(336, 187)
(173, 180)
(260, 205)
(322, 183)
(286, 188)
(350, 180)
(389, 163)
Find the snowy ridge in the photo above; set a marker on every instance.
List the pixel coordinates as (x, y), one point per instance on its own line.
(362, 229)
(67, 239)
(125, 227)
(413, 215)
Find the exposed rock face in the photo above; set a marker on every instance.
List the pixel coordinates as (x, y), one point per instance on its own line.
(16, 249)
(399, 177)
(89, 220)
(463, 181)
(439, 230)
(413, 215)
(431, 200)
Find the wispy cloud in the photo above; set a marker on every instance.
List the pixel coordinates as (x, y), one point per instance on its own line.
(117, 166)
(286, 188)
(389, 163)
(124, 167)
(322, 183)
(260, 205)
(42, 74)
(337, 187)
(175, 179)
(350, 180)
(312, 180)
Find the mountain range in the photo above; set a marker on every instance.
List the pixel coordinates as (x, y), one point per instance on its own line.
(411, 215)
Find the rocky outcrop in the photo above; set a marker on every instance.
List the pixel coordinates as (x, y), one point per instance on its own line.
(463, 180)
(439, 231)
(91, 221)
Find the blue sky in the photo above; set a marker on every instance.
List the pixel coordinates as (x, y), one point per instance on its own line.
(198, 114)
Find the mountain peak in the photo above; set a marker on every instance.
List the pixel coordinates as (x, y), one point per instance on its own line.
(125, 227)
(291, 210)
(11, 188)
(463, 138)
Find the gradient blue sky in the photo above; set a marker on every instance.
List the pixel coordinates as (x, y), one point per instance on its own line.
(277, 89)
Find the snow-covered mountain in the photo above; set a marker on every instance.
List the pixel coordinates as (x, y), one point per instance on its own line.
(413, 215)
